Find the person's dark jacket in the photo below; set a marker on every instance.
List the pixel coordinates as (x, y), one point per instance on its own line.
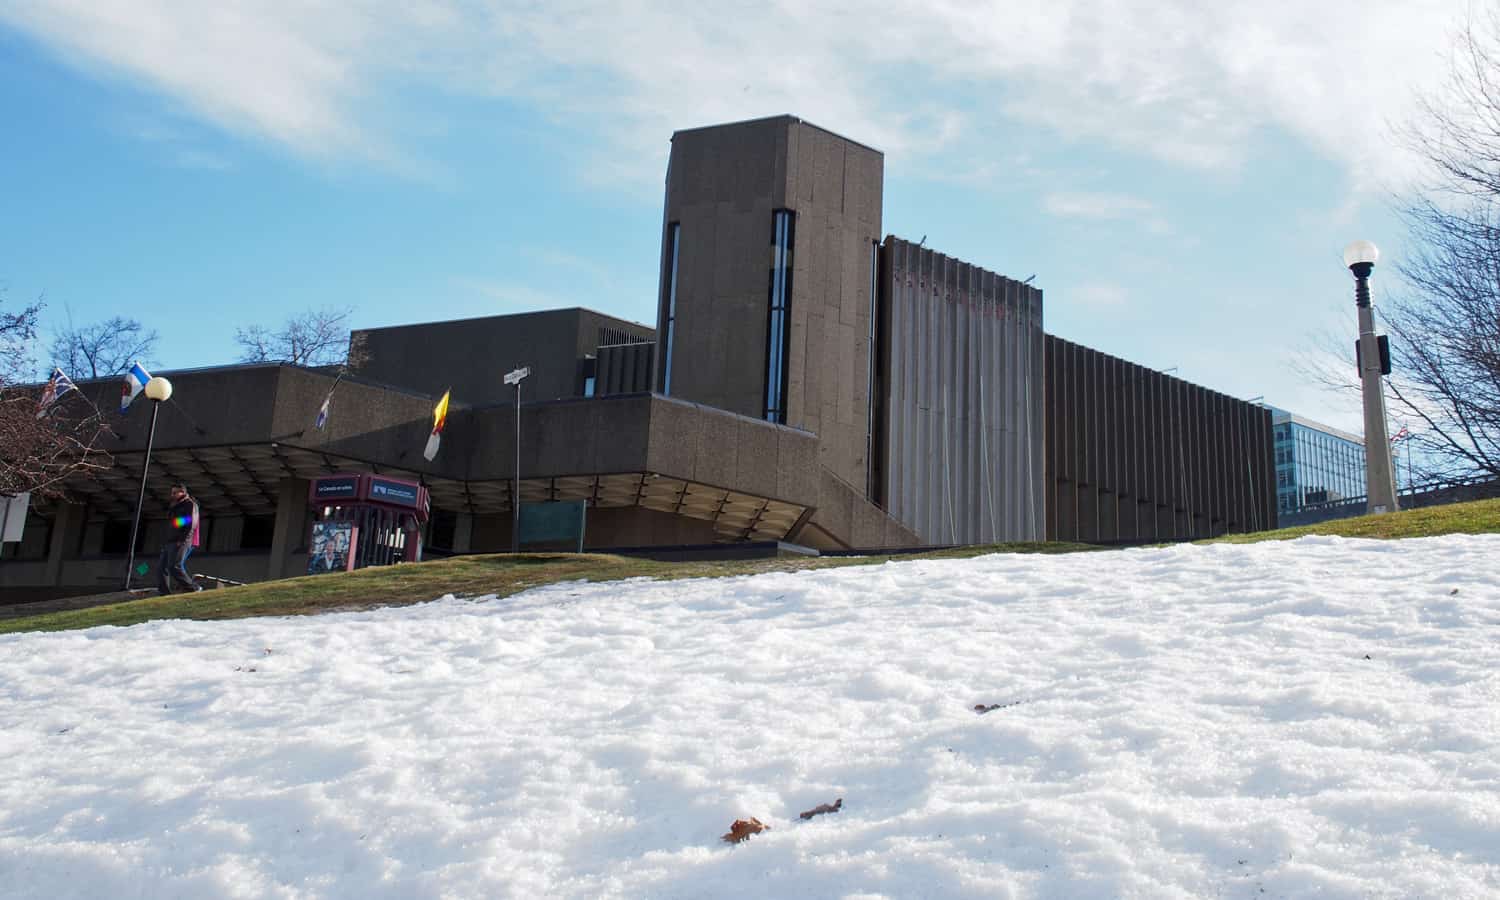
(181, 515)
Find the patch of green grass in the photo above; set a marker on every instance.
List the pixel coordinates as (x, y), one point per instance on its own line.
(504, 575)
(1476, 517)
(463, 576)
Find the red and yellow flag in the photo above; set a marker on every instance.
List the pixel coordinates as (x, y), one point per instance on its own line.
(439, 419)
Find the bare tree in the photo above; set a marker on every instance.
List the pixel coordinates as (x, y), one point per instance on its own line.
(17, 334)
(39, 449)
(312, 338)
(103, 348)
(1446, 327)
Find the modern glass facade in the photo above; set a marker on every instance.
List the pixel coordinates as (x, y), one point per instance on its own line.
(1315, 464)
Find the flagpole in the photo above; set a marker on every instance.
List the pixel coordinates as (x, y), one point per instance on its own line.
(1411, 486)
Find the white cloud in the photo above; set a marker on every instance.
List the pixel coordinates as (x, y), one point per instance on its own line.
(1188, 83)
(1106, 207)
(292, 75)
(1094, 206)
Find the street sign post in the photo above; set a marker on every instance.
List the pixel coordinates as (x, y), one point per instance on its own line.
(514, 377)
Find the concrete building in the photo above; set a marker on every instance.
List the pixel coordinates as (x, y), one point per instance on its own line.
(810, 380)
(421, 357)
(775, 285)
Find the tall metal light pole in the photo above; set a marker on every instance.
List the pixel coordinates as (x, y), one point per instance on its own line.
(514, 378)
(1372, 354)
(157, 390)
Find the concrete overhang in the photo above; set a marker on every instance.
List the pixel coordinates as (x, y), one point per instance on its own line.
(233, 434)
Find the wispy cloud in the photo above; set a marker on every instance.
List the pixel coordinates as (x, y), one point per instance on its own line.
(1180, 81)
(177, 146)
(512, 296)
(1105, 207)
(192, 158)
(571, 263)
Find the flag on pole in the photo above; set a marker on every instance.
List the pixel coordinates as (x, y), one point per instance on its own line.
(57, 385)
(1401, 435)
(135, 382)
(322, 418)
(439, 418)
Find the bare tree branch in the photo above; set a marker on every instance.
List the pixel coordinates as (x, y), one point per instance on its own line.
(1445, 327)
(103, 348)
(312, 338)
(39, 451)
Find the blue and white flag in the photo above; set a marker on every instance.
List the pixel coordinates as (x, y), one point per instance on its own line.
(322, 418)
(57, 385)
(135, 382)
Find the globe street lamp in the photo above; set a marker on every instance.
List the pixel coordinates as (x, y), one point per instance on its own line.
(157, 390)
(1372, 355)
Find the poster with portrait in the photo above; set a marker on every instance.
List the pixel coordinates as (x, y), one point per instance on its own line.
(330, 547)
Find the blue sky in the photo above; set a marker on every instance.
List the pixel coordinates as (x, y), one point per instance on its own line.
(1180, 181)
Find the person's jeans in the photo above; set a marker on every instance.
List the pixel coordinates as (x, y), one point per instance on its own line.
(173, 567)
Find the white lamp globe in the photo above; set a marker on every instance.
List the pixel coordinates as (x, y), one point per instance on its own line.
(1361, 252)
(158, 389)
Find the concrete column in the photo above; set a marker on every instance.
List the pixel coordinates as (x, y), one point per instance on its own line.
(67, 529)
(291, 509)
(463, 533)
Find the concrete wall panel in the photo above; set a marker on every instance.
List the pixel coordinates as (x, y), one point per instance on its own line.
(1136, 455)
(962, 406)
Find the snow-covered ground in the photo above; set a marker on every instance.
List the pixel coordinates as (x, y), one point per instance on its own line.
(1318, 718)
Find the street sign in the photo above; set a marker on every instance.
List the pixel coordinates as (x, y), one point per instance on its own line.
(516, 376)
(399, 493)
(335, 488)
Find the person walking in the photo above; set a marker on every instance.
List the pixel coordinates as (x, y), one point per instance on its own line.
(183, 520)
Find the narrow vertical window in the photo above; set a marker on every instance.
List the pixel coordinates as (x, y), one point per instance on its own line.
(669, 300)
(783, 222)
(870, 378)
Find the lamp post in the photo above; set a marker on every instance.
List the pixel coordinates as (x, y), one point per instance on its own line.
(515, 377)
(157, 390)
(1373, 358)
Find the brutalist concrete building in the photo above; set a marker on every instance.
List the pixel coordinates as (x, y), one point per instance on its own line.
(810, 379)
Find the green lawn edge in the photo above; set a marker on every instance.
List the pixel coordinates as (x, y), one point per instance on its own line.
(500, 574)
(1473, 517)
(504, 575)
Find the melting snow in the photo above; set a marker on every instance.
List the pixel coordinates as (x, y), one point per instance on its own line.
(1311, 718)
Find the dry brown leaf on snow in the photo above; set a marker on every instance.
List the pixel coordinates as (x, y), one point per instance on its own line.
(821, 808)
(743, 828)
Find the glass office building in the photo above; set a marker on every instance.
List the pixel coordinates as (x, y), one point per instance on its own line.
(1315, 463)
